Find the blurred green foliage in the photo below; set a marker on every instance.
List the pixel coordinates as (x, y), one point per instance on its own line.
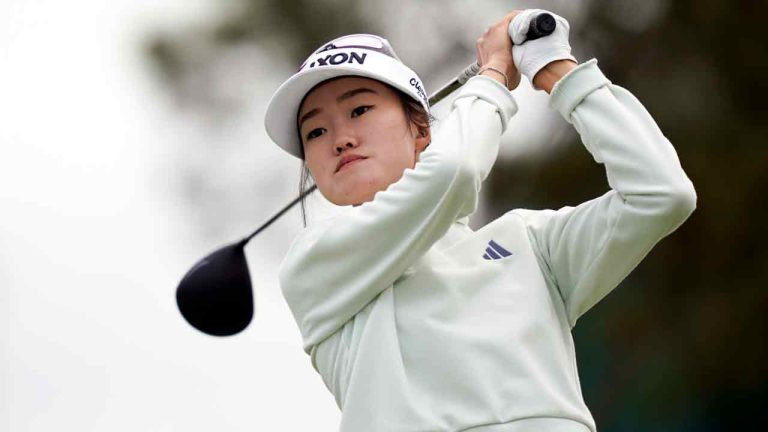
(291, 27)
(680, 344)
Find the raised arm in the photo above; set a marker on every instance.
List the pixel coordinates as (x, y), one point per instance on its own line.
(334, 269)
(587, 250)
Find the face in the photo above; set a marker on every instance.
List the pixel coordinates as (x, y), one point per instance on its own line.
(356, 138)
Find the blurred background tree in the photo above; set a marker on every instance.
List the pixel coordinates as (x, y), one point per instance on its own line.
(678, 345)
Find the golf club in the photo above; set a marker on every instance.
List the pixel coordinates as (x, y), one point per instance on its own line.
(216, 296)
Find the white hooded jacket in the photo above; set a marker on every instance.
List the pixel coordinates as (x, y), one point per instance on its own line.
(417, 323)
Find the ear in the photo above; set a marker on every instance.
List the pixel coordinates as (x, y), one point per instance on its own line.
(423, 138)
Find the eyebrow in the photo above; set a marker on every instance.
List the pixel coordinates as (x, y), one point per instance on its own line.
(343, 97)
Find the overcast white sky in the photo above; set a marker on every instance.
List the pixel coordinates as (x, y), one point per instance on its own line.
(93, 243)
(94, 239)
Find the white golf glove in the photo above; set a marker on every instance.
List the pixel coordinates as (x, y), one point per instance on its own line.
(531, 56)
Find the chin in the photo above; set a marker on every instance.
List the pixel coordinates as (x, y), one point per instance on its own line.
(360, 191)
(354, 199)
(360, 187)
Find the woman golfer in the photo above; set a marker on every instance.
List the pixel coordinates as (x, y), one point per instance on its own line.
(415, 321)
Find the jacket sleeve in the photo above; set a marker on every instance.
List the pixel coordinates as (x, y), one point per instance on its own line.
(334, 269)
(587, 250)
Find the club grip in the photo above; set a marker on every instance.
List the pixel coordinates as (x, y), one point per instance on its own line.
(541, 25)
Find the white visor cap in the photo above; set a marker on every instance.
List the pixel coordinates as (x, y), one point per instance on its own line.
(364, 55)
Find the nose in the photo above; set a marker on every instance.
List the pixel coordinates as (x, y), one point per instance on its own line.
(345, 143)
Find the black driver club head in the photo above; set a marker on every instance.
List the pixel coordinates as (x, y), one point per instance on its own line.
(216, 296)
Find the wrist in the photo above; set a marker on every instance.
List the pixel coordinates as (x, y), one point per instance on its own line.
(498, 70)
(495, 73)
(549, 75)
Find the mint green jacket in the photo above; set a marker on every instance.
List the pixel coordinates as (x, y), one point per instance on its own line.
(418, 323)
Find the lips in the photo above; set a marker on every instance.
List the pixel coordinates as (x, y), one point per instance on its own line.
(347, 159)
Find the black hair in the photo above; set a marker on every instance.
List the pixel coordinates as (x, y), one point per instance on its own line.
(414, 114)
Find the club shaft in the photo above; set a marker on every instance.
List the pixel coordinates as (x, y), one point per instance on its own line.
(280, 213)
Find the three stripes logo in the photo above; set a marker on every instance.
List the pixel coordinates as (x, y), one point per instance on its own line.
(494, 251)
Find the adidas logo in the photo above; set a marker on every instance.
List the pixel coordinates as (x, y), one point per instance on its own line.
(494, 251)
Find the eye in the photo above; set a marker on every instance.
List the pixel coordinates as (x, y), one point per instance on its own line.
(361, 109)
(313, 134)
